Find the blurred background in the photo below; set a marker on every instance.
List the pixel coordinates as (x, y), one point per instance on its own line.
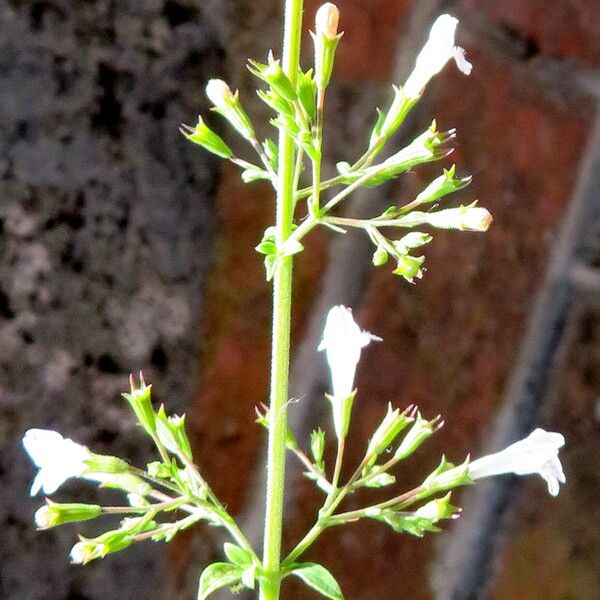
(124, 247)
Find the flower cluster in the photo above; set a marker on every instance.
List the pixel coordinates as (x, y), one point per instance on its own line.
(169, 494)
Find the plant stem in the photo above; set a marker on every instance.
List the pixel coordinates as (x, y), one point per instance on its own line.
(306, 192)
(336, 472)
(282, 301)
(316, 163)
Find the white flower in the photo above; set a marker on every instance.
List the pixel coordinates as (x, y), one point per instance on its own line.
(438, 50)
(57, 458)
(342, 342)
(537, 453)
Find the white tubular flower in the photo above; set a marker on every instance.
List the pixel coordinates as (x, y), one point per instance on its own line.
(342, 341)
(438, 50)
(537, 453)
(57, 458)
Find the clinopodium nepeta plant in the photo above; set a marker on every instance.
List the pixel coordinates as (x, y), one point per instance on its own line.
(170, 494)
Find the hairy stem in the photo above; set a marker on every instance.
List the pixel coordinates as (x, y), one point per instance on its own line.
(282, 301)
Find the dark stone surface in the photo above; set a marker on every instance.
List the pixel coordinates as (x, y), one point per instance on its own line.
(105, 238)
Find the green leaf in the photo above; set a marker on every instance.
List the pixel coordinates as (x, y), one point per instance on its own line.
(237, 555)
(318, 578)
(216, 576)
(307, 90)
(272, 152)
(266, 247)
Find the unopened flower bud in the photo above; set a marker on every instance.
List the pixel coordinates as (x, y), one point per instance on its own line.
(465, 218)
(393, 423)
(219, 93)
(53, 514)
(431, 145)
(317, 444)
(325, 39)
(89, 549)
(441, 186)
(327, 19)
(380, 256)
(418, 433)
(273, 74)
(476, 219)
(228, 105)
(438, 509)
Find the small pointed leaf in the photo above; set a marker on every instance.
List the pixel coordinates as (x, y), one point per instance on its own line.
(318, 578)
(216, 576)
(237, 555)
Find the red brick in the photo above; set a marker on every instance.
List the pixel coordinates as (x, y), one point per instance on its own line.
(565, 29)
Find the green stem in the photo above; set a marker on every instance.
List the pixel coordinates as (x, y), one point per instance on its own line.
(265, 160)
(336, 472)
(161, 448)
(325, 185)
(298, 171)
(144, 509)
(314, 207)
(282, 301)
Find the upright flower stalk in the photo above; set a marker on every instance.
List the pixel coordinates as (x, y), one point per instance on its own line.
(282, 306)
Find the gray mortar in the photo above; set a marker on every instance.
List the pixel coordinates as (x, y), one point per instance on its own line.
(105, 240)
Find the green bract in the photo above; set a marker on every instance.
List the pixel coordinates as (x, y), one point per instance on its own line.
(202, 135)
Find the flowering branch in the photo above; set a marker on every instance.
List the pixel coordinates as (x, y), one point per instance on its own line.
(173, 485)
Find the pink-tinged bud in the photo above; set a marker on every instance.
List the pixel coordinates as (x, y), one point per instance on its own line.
(476, 219)
(327, 19)
(464, 218)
